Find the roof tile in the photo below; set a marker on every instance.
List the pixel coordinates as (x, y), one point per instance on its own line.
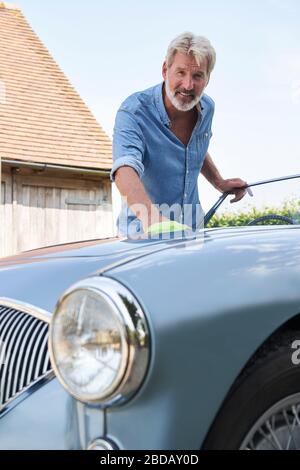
(42, 117)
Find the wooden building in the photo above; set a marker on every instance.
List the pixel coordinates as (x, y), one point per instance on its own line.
(55, 157)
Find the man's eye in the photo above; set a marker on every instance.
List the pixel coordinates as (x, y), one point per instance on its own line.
(198, 75)
(180, 73)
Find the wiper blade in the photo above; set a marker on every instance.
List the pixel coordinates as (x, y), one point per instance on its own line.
(217, 204)
(273, 180)
(213, 209)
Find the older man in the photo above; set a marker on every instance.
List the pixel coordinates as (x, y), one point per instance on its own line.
(160, 144)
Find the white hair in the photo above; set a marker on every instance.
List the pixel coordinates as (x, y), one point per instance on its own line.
(198, 46)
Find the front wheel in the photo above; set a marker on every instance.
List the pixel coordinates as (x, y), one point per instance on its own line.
(262, 410)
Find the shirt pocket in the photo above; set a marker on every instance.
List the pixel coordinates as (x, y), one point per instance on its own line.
(202, 143)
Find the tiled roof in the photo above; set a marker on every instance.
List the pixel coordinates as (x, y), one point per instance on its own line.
(42, 118)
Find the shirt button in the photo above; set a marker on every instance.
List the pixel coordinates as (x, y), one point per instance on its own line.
(184, 194)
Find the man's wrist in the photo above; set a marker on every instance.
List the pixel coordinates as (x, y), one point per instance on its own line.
(218, 183)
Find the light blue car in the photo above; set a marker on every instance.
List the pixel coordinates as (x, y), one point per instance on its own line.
(187, 343)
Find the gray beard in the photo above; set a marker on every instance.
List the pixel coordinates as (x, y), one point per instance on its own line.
(176, 103)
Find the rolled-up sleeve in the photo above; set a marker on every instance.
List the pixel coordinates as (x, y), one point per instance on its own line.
(128, 143)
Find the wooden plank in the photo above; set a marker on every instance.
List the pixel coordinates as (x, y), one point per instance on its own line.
(2, 219)
(68, 183)
(38, 211)
(51, 232)
(2, 192)
(6, 237)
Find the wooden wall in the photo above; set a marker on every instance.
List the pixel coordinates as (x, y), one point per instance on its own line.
(45, 208)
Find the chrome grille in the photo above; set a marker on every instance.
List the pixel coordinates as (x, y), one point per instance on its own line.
(24, 356)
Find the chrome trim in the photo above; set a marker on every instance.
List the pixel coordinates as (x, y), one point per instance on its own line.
(136, 335)
(82, 421)
(24, 311)
(30, 309)
(102, 444)
(26, 392)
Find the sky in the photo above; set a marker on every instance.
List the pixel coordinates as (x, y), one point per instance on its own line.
(111, 48)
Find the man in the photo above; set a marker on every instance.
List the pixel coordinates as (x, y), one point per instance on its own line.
(160, 144)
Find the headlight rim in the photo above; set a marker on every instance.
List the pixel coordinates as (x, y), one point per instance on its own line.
(136, 362)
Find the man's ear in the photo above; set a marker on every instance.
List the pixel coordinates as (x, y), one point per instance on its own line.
(164, 70)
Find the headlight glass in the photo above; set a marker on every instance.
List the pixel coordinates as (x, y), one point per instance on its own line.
(99, 342)
(89, 344)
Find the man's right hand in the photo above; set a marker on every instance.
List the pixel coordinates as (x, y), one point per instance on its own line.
(134, 194)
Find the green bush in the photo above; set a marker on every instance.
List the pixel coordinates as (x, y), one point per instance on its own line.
(289, 209)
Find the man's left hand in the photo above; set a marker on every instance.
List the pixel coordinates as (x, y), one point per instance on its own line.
(234, 186)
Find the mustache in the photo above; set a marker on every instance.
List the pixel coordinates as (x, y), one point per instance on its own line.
(187, 92)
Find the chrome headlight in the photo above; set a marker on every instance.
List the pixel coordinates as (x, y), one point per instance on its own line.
(99, 341)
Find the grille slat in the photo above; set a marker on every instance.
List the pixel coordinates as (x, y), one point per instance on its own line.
(18, 354)
(7, 338)
(32, 370)
(26, 358)
(18, 336)
(10, 318)
(21, 356)
(39, 369)
(28, 353)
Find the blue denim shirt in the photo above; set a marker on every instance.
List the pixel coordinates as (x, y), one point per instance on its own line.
(168, 169)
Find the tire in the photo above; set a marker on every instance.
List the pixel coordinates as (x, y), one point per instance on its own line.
(262, 406)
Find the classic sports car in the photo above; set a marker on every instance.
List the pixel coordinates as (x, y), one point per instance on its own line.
(187, 343)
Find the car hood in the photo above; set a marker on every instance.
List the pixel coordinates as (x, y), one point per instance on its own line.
(100, 247)
(40, 276)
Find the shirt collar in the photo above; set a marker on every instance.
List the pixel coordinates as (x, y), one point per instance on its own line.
(158, 96)
(199, 106)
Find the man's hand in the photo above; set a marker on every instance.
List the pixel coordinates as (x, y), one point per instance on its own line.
(132, 190)
(234, 186)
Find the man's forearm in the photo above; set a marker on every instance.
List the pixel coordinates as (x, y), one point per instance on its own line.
(211, 173)
(232, 186)
(133, 191)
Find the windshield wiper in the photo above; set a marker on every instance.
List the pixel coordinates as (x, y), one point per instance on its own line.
(213, 209)
(273, 180)
(217, 204)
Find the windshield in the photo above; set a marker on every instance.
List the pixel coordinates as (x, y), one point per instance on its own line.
(274, 202)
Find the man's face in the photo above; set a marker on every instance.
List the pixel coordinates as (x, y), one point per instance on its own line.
(185, 81)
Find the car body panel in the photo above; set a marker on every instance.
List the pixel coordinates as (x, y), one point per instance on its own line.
(199, 351)
(53, 270)
(50, 418)
(200, 339)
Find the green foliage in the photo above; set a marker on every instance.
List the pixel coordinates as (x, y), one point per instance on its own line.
(288, 209)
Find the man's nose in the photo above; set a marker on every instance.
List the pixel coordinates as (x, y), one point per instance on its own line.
(187, 82)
